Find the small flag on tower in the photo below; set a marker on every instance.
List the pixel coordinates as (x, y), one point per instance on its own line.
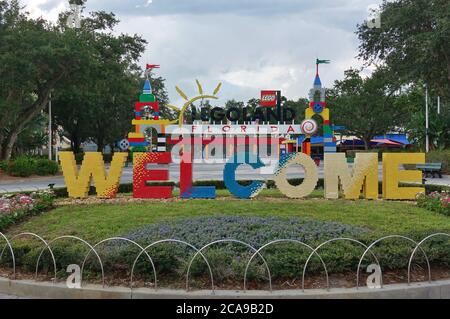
(152, 66)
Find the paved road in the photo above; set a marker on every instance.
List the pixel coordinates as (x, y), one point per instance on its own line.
(200, 172)
(2, 296)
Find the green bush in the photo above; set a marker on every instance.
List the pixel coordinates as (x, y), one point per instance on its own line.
(22, 166)
(3, 166)
(440, 157)
(438, 202)
(46, 167)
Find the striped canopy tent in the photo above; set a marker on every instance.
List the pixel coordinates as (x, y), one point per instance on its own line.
(385, 141)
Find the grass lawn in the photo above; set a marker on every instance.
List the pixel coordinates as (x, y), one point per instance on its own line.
(99, 221)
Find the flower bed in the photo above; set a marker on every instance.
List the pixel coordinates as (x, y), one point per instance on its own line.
(15, 207)
(438, 202)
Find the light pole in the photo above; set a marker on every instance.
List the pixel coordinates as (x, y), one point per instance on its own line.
(50, 127)
(439, 105)
(427, 140)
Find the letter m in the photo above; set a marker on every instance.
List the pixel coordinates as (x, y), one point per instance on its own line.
(363, 176)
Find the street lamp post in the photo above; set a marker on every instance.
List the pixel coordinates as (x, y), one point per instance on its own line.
(427, 140)
(439, 104)
(50, 128)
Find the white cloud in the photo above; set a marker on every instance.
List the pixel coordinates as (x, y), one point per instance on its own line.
(249, 45)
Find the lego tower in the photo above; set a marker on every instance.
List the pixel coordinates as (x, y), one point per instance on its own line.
(147, 116)
(318, 106)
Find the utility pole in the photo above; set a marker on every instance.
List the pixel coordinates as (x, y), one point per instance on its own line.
(427, 140)
(50, 128)
(439, 105)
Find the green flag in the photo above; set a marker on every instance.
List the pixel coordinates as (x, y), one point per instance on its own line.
(322, 61)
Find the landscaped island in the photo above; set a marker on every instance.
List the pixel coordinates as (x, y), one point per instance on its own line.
(255, 222)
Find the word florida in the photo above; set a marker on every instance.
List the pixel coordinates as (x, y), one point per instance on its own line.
(352, 182)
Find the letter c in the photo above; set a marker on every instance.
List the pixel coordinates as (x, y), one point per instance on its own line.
(229, 175)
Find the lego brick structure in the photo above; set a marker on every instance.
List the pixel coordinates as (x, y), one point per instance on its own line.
(229, 176)
(392, 175)
(318, 107)
(93, 167)
(141, 175)
(362, 177)
(309, 182)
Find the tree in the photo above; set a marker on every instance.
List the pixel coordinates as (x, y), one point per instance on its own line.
(413, 42)
(98, 105)
(298, 106)
(366, 106)
(439, 124)
(38, 57)
(33, 137)
(35, 57)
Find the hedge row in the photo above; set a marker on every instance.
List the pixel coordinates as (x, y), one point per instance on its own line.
(228, 261)
(128, 188)
(26, 166)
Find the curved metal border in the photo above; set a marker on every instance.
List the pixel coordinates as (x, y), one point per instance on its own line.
(11, 250)
(384, 238)
(415, 250)
(45, 243)
(179, 242)
(226, 241)
(277, 242)
(200, 252)
(129, 241)
(329, 242)
(84, 242)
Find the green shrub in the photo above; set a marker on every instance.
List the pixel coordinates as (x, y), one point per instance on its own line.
(3, 166)
(440, 157)
(46, 167)
(438, 202)
(22, 166)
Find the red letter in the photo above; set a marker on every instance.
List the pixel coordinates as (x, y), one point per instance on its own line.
(141, 175)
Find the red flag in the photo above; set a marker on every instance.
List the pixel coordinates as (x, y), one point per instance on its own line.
(152, 66)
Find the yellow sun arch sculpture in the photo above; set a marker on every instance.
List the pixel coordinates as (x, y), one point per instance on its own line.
(201, 96)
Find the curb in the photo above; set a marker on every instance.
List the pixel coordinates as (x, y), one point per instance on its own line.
(48, 290)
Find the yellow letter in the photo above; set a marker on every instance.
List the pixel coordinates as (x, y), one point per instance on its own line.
(93, 166)
(392, 175)
(363, 175)
(309, 182)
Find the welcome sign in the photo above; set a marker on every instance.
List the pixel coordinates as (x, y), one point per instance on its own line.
(245, 142)
(352, 182)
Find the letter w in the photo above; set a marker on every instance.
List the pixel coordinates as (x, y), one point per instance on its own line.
(93, 167)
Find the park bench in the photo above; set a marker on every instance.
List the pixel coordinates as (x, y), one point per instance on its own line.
(430, 169)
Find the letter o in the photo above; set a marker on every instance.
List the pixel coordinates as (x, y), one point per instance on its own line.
(309, 182)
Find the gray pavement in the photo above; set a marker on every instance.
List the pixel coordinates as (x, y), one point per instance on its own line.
(2, 296)
(200, 172)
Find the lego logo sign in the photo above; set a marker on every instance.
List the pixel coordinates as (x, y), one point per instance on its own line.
(269, 98)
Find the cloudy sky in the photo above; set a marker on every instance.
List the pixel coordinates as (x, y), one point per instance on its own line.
(248, 45)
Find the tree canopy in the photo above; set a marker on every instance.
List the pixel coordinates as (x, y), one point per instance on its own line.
(92, 73)
(413, 42)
